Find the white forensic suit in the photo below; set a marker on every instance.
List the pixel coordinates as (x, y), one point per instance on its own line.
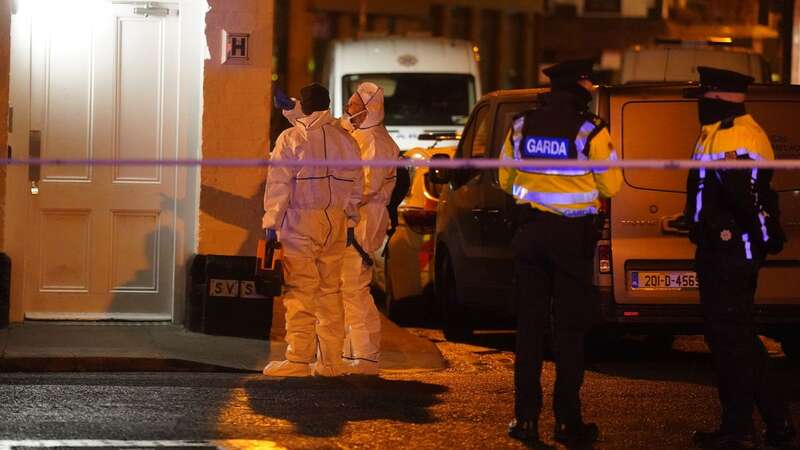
(311, 208)
(362, 320)
(295, 113)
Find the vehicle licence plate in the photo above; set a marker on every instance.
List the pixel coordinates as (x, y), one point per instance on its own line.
(663, 281)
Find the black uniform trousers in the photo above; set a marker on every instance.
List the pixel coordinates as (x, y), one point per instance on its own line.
(727, 289)
(553, 257)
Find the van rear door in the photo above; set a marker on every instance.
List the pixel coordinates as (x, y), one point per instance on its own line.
(652, 256)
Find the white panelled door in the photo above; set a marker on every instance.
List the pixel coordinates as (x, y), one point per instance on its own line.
(103, 85)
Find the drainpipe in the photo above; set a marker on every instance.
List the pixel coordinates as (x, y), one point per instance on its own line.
(788, 39)
(362, 18)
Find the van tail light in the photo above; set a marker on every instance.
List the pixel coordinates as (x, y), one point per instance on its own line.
(604, 214)
(605, 206)
(604, 258)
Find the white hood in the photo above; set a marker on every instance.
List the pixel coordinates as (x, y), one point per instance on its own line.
(371, 96)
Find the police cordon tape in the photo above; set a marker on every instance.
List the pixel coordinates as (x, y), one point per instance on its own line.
(452, 164)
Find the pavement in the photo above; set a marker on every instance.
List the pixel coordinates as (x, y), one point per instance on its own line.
(125, 347)
(642, 394)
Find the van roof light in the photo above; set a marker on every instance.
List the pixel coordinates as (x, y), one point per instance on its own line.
(720, 40)
(476, 53)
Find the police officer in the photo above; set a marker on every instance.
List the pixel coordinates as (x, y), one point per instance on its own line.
(733, 217)
(554, 245)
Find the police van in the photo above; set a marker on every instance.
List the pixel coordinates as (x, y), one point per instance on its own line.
(644, 269)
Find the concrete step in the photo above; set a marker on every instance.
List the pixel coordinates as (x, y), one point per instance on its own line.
(103, 346)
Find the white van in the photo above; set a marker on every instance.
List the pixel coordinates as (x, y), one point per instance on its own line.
(430, 84)
(678, 62)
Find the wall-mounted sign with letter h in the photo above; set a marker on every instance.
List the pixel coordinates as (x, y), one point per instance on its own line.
(236, 48)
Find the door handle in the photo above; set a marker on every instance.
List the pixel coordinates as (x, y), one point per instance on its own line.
(35, 152)
(478, 213)
(676, 224)
(487, 212)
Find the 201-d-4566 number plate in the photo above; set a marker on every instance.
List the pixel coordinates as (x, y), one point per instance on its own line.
(662, 281)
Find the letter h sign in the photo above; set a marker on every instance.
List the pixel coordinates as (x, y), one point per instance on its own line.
(237, 48)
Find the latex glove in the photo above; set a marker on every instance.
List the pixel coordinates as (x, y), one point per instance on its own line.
(282, 101)
(271, 235)
(351, 236)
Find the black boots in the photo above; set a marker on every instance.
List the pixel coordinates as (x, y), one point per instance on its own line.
(725, 440)
(782, 437)
(527, 431)
(524, 430)
(576, 436)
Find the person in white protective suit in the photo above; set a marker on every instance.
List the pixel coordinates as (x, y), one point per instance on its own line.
(364, 119)
(313, 210)
(295, 113)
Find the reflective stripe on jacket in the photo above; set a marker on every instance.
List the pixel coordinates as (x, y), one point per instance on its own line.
(732, 208)
(571, 193)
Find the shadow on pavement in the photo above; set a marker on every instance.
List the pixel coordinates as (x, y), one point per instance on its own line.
(653, 358)
(687, 360)
(611, 352)
(321, 407)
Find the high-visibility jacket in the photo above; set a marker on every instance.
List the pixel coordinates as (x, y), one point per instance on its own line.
(560, 128)
(735, 209)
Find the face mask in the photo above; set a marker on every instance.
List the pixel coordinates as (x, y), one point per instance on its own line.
(345, 123)
(582, 94)
(713, 110)
(349, 118)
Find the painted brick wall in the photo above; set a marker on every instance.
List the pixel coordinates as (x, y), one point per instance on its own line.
(5, 63)
(236, 117)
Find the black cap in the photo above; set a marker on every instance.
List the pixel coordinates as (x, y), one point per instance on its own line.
(569, 72)
(314, 97)
(718, 80)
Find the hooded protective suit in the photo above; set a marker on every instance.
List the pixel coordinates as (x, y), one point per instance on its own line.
(363, 325)
(293, 114)
(312, 207)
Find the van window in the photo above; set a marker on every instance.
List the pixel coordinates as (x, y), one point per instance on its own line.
(505, 114)
(473, 143)
(415, 99)
(502, 124)
(669, 130)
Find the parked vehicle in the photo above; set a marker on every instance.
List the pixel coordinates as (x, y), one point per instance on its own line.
(430, 84)
(642, 234)
(678, 61)
(409, 264)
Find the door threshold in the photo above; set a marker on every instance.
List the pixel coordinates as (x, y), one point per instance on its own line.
(97, 317)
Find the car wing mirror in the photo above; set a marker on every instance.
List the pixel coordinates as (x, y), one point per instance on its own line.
(437, 175)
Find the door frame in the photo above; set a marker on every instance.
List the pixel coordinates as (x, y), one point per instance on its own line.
(192, 51)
